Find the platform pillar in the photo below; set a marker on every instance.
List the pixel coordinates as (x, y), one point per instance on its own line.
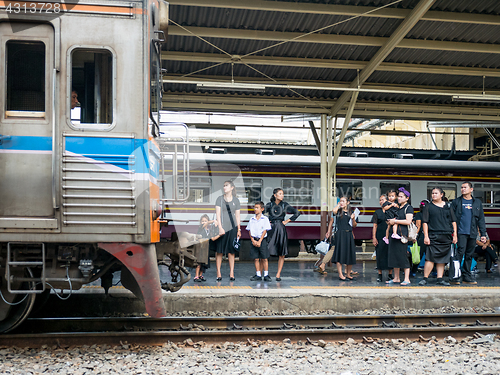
(324, 177)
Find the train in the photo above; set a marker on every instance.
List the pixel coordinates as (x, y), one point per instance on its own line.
(80, 153)
(364, 179)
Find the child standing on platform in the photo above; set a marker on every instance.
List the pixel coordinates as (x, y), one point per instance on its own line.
(257, 228)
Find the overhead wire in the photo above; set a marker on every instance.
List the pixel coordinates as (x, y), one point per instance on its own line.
(231, 59)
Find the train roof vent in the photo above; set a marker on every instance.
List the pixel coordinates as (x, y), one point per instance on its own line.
(402, 156)
(262, 151)
(216, 150)
(357, 154)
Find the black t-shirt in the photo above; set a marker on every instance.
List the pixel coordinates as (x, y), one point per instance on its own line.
(439, 219)
(402, 212)
(379, 219)
(233, 205)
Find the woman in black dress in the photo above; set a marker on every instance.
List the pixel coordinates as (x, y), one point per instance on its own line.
(440, 231)
(345, 249)
(277, 236)
(398, 250)
(379, 231)
(227, 210)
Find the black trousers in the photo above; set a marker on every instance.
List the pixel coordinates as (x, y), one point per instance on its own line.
(465, 249)
(489, 254)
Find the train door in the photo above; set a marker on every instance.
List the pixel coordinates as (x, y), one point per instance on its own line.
(27, 123)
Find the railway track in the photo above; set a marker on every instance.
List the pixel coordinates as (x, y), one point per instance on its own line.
(148, 331)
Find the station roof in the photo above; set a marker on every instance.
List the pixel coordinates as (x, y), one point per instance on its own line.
(405, 59)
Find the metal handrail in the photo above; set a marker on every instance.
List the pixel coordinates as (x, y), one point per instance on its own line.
(183, 142)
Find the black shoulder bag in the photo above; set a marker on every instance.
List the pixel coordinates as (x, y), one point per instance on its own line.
(236, 242)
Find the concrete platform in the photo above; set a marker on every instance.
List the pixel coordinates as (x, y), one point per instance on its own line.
(300, 289)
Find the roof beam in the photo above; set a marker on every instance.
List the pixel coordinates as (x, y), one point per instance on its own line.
(397, 36)
(211, 32)
(341, 10)
(330, 85)
(383, 110)
(330, 64)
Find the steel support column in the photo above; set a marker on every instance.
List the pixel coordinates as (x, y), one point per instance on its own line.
(398, 35)
(323, 177)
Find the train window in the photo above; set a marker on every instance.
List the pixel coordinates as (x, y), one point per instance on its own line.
(450, 189)
(25, 79)
(298, 192)
(353, 189)
(251, 190)
(488, 193)
(92, 82)
(199, 189)
(389, 185)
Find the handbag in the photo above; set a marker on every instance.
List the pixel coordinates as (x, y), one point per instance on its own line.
(236, 241)
(323, 247)
(415, 253)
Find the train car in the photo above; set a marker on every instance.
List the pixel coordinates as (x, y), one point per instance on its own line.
(79, 158)
(364, 179)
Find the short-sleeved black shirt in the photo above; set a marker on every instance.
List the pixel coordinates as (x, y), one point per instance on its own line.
(402, 212)
(438, 219)
(379, 219)
(233, 205)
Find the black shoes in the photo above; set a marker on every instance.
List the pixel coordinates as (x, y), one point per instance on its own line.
(278, 279)
(218, 279)
(267, 278)
(442, 283)
(455, 281)
(379, 279)
(232, 279)
(256, 278)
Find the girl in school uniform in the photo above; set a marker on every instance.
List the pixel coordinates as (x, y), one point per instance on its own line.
(345, 249)
(277, 209)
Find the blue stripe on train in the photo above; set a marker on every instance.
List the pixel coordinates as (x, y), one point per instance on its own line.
(27, 143)
(114, 151)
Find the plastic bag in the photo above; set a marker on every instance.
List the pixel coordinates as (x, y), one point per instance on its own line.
(415, 253)
(323, 247)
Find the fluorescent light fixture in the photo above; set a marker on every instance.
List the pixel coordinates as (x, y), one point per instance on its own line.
(476, 98)
(231, 86)
(405, 133)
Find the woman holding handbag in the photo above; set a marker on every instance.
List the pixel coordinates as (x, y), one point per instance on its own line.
(277, 209)
(345, 249)
(227, 211)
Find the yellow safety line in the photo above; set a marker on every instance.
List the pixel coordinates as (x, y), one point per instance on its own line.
(395, 287)
(216, 287)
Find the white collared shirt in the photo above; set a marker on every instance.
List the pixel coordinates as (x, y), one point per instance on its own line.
(256, 227)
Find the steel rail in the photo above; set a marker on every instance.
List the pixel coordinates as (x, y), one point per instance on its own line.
(46, 325)
(149, 331)
(368, 335)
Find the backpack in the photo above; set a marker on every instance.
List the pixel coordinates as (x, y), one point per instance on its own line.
(412, 230)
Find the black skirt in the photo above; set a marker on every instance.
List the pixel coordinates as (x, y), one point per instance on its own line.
(225, 244)
(382, 253)
(439, 250)
(277, 239)
(345, 249)
(398, 254)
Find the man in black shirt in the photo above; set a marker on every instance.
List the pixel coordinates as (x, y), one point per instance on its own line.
(470, 216)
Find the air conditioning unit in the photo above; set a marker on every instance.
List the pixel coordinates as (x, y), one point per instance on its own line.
(357, 154)
(215, 150)
(261, 151)
(402, 156)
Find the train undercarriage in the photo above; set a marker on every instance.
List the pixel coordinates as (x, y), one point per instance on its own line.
(31, 271)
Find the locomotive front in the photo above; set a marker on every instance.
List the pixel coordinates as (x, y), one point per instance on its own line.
(80, 185)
